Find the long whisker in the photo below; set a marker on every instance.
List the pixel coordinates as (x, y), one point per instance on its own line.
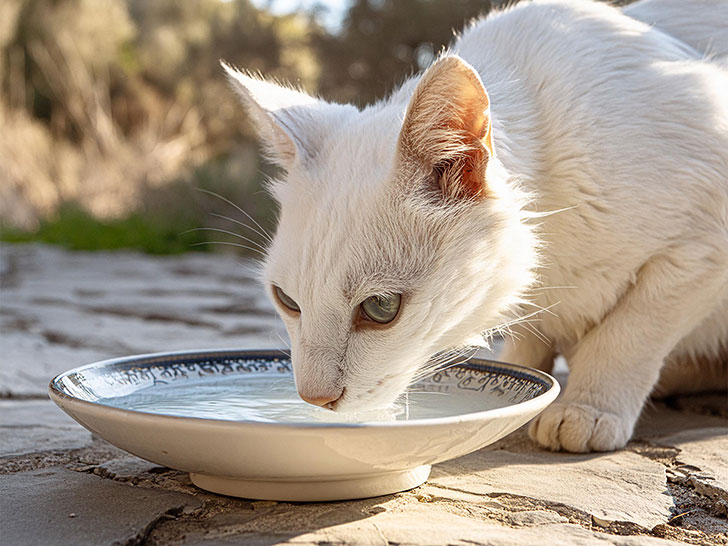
(529, 315)
(540, 288)
(507, 329)
(525, 320)
(544, 309)
(440, 359)
(256, 243)
(541, 337)
(431, 370)
(444, 358)
(253, 272)
(262, 232)
(243, 224)
(229, 244)
(546, 213)
(280, 337)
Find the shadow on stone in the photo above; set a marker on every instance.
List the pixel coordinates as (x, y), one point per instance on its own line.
(264, 523)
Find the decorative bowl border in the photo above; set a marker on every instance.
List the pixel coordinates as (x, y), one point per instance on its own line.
(140, 371)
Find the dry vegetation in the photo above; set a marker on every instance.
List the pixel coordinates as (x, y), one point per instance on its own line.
(114, 110)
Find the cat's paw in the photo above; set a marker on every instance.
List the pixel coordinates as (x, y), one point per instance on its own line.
(579, 428)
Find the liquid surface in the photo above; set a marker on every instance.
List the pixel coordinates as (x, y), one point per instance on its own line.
(274, 399)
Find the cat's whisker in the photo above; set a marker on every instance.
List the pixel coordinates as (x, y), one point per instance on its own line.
(539, 335)
(515, 335)
(444, 366)
(505, 330)
(228, 232)
(541, 288)
(534, 320)
(262, 232)
(525, 319)
(286, 344)
(544, 309)
(238, 222)
(229, 244)
(527, 325)
(440, 363)
(502, 331)
(488, 338)
(252, 271)
(540, 309)
(420, 393)
(425, 370)
(544, 214)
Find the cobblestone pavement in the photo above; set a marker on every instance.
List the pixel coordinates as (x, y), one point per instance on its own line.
(61, 485)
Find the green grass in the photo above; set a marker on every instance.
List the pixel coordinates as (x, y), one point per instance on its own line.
(160, 224)
(75, 229)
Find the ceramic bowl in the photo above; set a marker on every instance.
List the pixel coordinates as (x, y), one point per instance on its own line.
(474, 405)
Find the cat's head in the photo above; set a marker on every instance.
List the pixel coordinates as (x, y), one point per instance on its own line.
(399, 234)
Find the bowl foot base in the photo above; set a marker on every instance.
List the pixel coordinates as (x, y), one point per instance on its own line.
(359, 487)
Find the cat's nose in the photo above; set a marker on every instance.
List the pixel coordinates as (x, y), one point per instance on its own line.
(325, 400)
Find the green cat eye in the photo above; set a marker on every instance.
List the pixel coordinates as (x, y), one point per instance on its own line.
(286, 300)
(381, 309)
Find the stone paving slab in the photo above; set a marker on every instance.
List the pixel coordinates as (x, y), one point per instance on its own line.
(659, 420)
(703, 460)
(57, 506)
(622, 486)
(61, 309)
(417, 525)
(34, 426)
(406, 531)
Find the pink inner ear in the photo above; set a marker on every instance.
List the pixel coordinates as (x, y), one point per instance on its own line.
(475, 105)
(481, 127)
(464, 176)
(448, 127)
(473, 174)
(467, 173)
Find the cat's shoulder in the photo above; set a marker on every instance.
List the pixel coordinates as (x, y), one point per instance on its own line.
(559, 24)
(546, 14)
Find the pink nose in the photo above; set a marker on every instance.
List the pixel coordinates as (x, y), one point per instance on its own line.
(325, 401)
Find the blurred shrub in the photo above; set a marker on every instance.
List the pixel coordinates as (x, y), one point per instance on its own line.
(105, 101)
(114, 110)
(383, 41)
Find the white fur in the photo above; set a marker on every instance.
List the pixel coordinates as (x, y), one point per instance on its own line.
(614, 123)
(699, 23)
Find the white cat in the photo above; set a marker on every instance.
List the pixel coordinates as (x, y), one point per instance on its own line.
(591, 179)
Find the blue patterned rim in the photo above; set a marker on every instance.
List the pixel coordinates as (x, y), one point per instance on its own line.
(117, 377)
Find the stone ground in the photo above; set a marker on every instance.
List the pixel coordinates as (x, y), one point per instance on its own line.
(61, 485)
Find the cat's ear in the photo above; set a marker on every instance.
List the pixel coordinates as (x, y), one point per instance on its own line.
(448, 129)
(289, 123)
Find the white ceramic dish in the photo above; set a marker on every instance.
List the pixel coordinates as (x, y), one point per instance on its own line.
(284, 459)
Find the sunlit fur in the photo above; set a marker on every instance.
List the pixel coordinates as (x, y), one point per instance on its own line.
(701, 24)
(606, 202)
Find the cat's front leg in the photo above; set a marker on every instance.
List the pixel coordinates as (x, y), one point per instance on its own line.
(615, 366)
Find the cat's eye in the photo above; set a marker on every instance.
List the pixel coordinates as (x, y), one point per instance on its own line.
(286, 300)
(381, 309)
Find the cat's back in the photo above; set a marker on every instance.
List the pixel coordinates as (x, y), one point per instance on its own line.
(578, 52)
(558, 33)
